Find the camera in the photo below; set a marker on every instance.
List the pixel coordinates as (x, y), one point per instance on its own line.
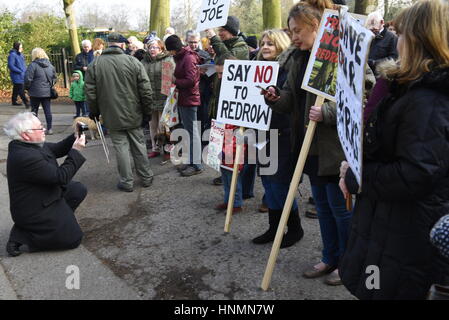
(81, 127)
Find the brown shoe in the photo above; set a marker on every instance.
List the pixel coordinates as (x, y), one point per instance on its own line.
(333, 279)
(224, 207)
(311, 213)
(315, 273)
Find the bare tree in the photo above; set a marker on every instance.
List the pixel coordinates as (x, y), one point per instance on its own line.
(71, 25)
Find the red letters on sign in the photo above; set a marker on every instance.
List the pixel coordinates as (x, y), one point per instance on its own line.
(263, 74)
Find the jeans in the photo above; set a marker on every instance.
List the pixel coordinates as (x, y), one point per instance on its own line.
(81, 108)
(18, 90)
(226, 176)
(188, 117)
(46, 105)
(276, 194)
(334, 219)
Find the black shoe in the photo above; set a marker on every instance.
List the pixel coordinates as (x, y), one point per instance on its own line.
(217, 181)
(273, 218)
(246, 197)
(294, 232)
(191, 171)
(311, 213)
(124, 188)
(13, 248)
(16, 104)
(147, 183)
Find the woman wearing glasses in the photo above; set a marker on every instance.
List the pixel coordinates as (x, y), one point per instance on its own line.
(152, 62)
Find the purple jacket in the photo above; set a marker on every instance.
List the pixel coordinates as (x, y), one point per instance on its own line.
(380, 90)
(187, 78)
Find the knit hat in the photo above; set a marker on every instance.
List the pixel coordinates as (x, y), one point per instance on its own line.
(232, 25)
(252, 41)
(173, 43)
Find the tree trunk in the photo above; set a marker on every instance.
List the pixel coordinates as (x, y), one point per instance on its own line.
(71, 25)
(271, 14)
(160, 16)
(365, 6)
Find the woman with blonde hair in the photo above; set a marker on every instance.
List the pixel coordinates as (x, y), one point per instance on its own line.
(40, 76)
(405, 182)
(98, 46)
(152, 62)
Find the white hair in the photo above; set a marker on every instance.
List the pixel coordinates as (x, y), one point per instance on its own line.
(86, 43)
(21, 122)
(132, 39)
(374, 18)
(169, 30)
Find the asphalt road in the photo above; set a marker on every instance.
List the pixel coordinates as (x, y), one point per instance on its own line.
(163, 242)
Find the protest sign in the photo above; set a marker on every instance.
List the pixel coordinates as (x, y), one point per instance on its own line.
(321, 74)
(215, 146)
(354, 49)
(167, 74)
(240, 102)
(213, 13)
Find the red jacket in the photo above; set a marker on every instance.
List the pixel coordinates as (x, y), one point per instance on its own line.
(230, 148)
(187, 77)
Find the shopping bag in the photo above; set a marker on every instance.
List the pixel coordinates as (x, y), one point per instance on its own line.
(170, 115)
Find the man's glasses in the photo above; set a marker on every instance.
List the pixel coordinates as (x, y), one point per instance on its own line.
(39, 129)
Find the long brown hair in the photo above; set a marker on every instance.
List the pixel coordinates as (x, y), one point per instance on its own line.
(310, 11)
(424, 30)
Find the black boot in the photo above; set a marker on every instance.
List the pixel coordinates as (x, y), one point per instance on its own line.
(273, 218)
(294, 231)
(13, 248)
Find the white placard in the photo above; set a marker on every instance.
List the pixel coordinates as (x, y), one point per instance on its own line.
(240, 102)
(213, 14)
(355, 41)
(215, 146)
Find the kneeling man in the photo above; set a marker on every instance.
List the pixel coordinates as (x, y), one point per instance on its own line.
(42, 196)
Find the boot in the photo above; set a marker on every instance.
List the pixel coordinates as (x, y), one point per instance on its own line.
(13, 248)
(294, 231)
(273, 218)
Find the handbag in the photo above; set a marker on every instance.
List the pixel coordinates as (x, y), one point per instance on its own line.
(53, 91)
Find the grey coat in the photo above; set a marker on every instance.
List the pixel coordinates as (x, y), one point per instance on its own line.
(37, 77)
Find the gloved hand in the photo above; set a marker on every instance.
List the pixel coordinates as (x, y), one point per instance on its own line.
(94, 116)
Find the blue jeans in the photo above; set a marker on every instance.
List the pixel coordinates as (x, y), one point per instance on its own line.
(276, 194)
(226, 176)
(188, 118)
(334, 219)
(46, 105)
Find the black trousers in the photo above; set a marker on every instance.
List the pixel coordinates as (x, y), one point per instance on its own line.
(18, 90)
(74, 194)
(46, 105)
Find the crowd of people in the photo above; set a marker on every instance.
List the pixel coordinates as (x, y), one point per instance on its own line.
(405, 182)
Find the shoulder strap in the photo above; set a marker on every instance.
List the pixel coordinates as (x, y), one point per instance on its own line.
(48, 79)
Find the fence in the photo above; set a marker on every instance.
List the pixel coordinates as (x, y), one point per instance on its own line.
(63, 64)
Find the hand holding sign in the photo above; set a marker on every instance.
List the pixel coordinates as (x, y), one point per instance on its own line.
(213, 13)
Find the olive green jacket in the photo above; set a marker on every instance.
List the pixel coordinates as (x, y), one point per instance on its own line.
(153, 67)
(118, 88)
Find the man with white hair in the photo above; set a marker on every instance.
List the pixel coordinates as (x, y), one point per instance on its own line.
(383, 45)
(86, 56)
(168, 32)
(42, 195)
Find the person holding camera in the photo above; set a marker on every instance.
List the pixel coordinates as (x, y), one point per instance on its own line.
(42, 195)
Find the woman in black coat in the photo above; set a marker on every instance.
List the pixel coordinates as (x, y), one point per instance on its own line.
(405, 182)
(39, 78)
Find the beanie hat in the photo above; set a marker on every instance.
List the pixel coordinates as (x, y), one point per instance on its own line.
(232, 25)
(173, 43)
(252, 41)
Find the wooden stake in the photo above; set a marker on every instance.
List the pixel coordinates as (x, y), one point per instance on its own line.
(290, 197)
(235, 175)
